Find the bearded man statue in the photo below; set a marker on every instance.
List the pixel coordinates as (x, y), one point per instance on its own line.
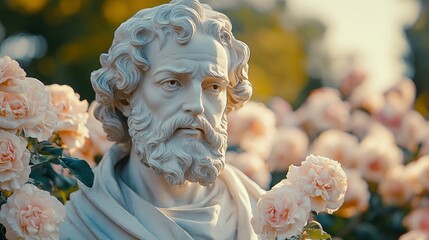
(164, 88)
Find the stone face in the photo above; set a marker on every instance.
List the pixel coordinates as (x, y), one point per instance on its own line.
(172, 74)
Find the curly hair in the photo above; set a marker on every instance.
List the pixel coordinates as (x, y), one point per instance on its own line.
(125, 63)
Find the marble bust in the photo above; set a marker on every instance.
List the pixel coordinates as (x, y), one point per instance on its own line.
(164, 89)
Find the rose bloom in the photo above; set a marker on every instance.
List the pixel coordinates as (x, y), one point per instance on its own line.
(97, 143)
(394, 187)
(352, 80)
(289, 147)
(425, 147)
(251, 165)
(10, 70)
(285, 117)
(14, 161)
(412, 131)
(357, 195)
(397, 101)
(364, 97)
(31, 213)
(252, 128)
(417, 219)
(376, 157)
(415, 235)
(24, 105)
(72, 115)
(423, 174)
(323, 180)
(363, 125)
(281, 212)
(323, 110)
(338, 145)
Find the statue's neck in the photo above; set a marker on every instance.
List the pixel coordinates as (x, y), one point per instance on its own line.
(153, 188)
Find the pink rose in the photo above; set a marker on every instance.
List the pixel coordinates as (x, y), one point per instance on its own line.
(252, 128)
(337, 145)
(281, 212)
(394, 188)
(323, 180)
(357, 195)
(323, 110)
(376, 157)
(72, 115)
(417, 219)
(363, 125)
(285, 117)
(32, 213)
(252, 165)
(423, 174)
(25, 105)
(289, 147)
(415, 235)
(14, 161)
(10, 70)
(425, 146)
(412, 131)
(397, 101)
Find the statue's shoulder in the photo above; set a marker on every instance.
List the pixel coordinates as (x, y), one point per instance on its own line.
(232, 175)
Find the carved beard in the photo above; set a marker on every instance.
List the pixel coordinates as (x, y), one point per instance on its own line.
(179, 159)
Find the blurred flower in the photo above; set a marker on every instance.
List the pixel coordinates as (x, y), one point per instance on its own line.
(352, 80)
(357, 196)
(412, 131)
(97, 143)
(394, 187)
(289, 147)
(281, 212)
(337, 145)
(252, 128)
(252, 165)
(363, 98)
(323, 110)
(363, 125)
(10, 70)
(14, 161)
(323, 180)
(412, 173)
(415, 235)
(72, 116)
(417, 219)
(32, 213)
(285, 117)
(397, 101)
(425, 146)
(376, 157)
(423, 165)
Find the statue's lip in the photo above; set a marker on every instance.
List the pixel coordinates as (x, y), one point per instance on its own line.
(191, 128)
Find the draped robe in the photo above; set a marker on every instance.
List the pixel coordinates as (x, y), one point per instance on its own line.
(112, 210)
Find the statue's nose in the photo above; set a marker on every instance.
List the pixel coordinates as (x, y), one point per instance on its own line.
(193, 100)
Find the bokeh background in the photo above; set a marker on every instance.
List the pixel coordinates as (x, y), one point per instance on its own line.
(296, 46)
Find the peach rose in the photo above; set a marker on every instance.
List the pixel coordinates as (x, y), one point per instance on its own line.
(10, 70)
(394, 188)
(412, 131)
(252, 165)
(72, 116)
(285, 117)
(31, 213)
(364, 97)
(323, 110)
(397, 101)
(281, 212)
(252, 128)
(357, 195)
(25, 105)
(289, 147)
(363, 125)
(14, 161)
(415, 235)
(337, 145)
(323, 180)
(417, 219)
(376, 157)
(423, 174)
(425, 147)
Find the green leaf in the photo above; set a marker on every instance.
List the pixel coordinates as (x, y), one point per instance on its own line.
(62, 182)
(80, 169)
(314, 234)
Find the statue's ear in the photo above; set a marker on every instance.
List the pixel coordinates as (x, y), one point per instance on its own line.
(124, 106)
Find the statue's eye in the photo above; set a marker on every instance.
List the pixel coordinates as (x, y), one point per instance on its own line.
(170, 84)
(216, 88)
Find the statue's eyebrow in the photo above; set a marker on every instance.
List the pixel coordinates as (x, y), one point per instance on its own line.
(188, 70)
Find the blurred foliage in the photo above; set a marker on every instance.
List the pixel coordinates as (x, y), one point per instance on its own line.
(78, 31)
(418, 37)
